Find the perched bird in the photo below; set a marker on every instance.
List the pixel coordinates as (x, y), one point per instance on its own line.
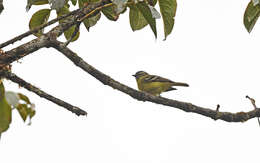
(155, 85)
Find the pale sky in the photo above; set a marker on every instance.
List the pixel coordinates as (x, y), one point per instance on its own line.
(209, 49)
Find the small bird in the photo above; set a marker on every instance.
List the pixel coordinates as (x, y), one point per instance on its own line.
(155, 85)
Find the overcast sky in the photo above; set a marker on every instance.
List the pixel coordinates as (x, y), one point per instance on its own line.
(209, 49)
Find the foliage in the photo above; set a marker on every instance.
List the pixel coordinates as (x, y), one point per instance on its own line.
(142, 13)
(10, 101)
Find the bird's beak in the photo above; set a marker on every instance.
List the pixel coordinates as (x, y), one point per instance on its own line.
(133, 75)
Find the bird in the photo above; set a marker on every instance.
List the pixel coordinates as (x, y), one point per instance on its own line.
(155, 85)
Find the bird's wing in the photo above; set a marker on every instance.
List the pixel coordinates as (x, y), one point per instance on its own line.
(154, 78)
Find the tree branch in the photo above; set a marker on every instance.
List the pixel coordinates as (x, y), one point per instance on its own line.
(142, 96)
(38, 43)
(30, 87)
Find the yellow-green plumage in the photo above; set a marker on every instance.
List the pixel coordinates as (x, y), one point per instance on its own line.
(155, 85)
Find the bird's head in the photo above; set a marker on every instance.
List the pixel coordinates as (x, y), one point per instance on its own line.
(140, 74)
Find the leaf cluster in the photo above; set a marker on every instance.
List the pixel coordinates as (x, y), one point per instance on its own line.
(13, 101)
(141, 14)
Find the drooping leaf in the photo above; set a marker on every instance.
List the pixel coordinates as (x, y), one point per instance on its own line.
(251, 15)
(92, 21)
(110, 13)
(146, 12)
(35, 2)
(74, 2)
(68, 33)
(5, 110)
(137, 20)
(25, 109)
(38, 18)
(22, 109)
(168, 11)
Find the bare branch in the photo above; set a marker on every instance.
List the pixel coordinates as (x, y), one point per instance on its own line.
(142, 96)
(30, 87)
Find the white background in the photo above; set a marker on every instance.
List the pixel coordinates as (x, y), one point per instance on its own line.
(209, 48)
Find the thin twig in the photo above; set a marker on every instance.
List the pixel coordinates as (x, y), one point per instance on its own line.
(14, 78)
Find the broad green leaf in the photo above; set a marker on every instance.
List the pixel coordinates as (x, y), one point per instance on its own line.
(74, 2)
(35, 2)
(68, 33)
(146, 12)
(168, 11)
(92, 21)
(137, 20)
(110, 13)
(22, 109)
(5, 110)
(12, 98)
(40, 17)
(251, 15)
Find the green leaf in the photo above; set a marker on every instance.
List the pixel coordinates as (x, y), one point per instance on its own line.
(22, 109)
(5, 111)
(92, 21)
(68, 33)
(110, 13)
(168, 11)
(251, 15)
(27, 109)
(137, 20)
(146, 12)
(74, 2)
(38, 18)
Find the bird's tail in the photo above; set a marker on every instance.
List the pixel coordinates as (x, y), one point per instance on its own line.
(180, 84)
